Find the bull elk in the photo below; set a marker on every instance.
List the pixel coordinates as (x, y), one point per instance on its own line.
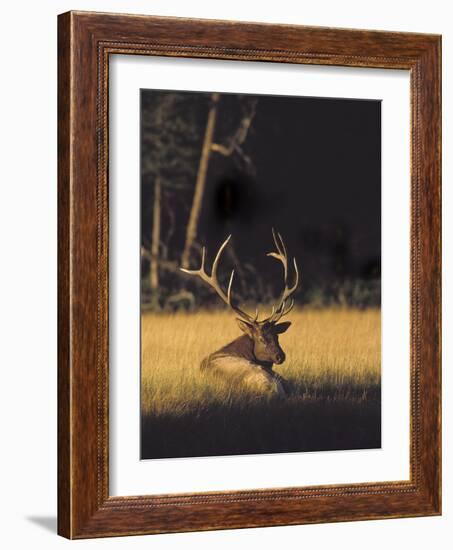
(248, 360)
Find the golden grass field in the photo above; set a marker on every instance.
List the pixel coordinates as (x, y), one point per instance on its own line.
(338, 349)
(333, 360)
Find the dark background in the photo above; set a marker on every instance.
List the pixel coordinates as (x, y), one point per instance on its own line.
(313, 173)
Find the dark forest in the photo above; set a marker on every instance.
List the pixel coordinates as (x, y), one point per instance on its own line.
(309, 167)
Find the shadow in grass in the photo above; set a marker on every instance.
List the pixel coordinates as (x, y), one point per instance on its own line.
(267, 426)
(49, 523)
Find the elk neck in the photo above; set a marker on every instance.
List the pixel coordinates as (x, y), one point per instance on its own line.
(243, 347)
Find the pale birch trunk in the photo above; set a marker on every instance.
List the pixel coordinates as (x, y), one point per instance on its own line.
(154, 267)
(192, 226)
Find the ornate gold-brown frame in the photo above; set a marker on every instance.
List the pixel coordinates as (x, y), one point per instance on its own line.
(86, 40)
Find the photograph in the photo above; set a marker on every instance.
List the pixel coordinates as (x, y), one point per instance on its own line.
(232, 218)
(260, 265)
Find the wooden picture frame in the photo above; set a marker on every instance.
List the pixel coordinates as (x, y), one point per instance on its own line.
(85, 42)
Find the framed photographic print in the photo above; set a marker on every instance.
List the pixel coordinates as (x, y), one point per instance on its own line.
(249, 275)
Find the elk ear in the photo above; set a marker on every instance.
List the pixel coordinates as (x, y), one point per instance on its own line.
(282, 327)
(245, 327)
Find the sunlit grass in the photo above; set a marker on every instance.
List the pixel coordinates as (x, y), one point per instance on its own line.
(333, 361)
(331, 354)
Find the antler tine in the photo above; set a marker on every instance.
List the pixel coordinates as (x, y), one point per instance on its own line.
(217, 258)
(203, 258)
(285, 255)
(230, 282)
(287, 292)
(282, 244)
(289, 308)
(213, 282)
(279, 243)
(255, 319)
(239, 311)
(282, 256)
(210, 279)
(296, 281)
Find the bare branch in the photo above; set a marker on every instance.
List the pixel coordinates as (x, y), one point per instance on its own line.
(236, 141)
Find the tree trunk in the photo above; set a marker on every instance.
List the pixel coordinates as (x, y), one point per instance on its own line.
(192, 226)
(154, 266)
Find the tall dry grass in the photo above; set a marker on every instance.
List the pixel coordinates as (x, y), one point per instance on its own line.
(332, 353)
(333, 362)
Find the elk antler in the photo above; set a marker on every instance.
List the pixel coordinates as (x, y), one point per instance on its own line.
(283, 308)
(212, 281)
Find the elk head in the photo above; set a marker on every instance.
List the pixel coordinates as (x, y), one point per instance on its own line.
(264, 333)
